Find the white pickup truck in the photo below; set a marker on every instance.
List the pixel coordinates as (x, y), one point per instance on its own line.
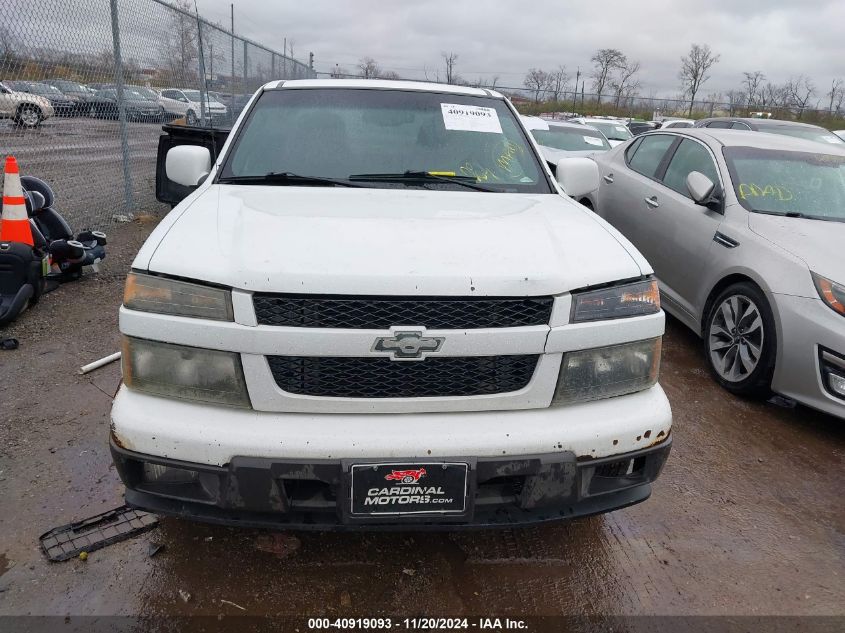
(377, 309)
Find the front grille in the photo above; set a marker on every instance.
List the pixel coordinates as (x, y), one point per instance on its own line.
(371, 377)
(376, 313)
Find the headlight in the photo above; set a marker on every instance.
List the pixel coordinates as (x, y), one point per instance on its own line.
(605, 372)
(616, 302)
(832, 293)
(149, 293)
(184, 372)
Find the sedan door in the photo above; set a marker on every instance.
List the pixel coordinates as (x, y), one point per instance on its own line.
(678, 233)
(628, 185)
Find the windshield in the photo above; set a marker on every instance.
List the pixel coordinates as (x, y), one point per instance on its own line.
(69, 86)
(613, 130)
(571, 139)
(147, 93)
(194, 95)
(798, 184)
(40, 89)
(809, 133)
(338, 133)
(132, 95)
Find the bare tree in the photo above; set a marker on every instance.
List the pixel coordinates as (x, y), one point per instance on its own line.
(773, 96)
(605, 62)
(799, 91)
(625, 83)
(368, 68)
(449, 61)
(179, 50)
(694, 68)
(557, 83)
(736, 100)
(753, 85)
(537, 82)
(390, 74)
(836, 94)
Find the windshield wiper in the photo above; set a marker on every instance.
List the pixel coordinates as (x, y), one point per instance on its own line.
(470, 182)
(285, 178)
(798, 214)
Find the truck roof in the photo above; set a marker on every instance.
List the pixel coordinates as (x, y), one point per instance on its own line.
(382, 84)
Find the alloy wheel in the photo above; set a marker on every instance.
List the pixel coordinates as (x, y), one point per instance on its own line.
(735, 338)
(30, 116)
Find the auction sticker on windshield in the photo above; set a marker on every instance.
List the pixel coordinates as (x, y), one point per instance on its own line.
(470, 118)
(410, 488)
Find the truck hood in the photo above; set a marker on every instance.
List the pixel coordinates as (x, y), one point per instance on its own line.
(817, 242)
(388, 242)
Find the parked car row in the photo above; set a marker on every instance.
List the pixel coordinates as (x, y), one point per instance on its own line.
(30, 102)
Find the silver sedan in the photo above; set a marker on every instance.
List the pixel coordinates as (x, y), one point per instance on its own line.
(745, 232)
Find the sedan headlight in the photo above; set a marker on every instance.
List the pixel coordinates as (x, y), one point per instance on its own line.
(832, 293)
(149, 293)
(177, 371)
(604, 372)
(616, 302)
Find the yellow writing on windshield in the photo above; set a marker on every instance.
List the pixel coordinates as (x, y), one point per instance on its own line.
(750, 190)
(506, 157)
(481, 174)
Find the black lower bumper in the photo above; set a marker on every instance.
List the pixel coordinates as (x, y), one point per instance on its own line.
(303, 495)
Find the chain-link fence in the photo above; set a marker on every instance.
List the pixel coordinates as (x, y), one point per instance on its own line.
(86, 84)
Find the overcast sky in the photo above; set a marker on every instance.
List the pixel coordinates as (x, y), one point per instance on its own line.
(780, 37)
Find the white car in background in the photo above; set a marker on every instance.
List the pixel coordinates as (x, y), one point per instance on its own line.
(559, 139)
(676, 123)
(614, 130)
(27, 110)
(188, 103)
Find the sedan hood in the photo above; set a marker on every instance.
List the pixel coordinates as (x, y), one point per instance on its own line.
(388, 242)
(817, 242)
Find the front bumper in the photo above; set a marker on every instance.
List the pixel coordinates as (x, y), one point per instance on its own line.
(310, 494)
(808, 327)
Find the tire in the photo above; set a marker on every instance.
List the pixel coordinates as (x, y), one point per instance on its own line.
(191, 118)
(740, 340)
(29, 116)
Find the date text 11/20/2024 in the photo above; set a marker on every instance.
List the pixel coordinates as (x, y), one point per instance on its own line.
(417, 624)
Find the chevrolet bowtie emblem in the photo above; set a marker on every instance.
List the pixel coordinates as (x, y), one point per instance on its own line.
(408, 345)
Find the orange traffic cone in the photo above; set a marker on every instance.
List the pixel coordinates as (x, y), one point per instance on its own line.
(14, 222)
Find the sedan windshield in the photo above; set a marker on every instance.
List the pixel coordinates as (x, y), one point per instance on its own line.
(147, 93)
(385, 138)
(792, 184)
(613, 130)
(571, 139)
(40, 89)
(69, 86)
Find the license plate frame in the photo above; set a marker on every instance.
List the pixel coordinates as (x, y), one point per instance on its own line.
(452, 478)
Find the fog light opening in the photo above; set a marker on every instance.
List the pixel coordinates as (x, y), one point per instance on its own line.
(836, 382)
(158, 474)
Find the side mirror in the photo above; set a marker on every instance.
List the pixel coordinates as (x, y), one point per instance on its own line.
(187, 164)
(577, 176)
(700, 187)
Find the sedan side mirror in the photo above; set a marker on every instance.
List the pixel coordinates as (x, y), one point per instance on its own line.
(700, 187)
(187, 164)
(577, 176)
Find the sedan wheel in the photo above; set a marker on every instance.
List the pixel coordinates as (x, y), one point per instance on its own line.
(740, 340)
(29, 116)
